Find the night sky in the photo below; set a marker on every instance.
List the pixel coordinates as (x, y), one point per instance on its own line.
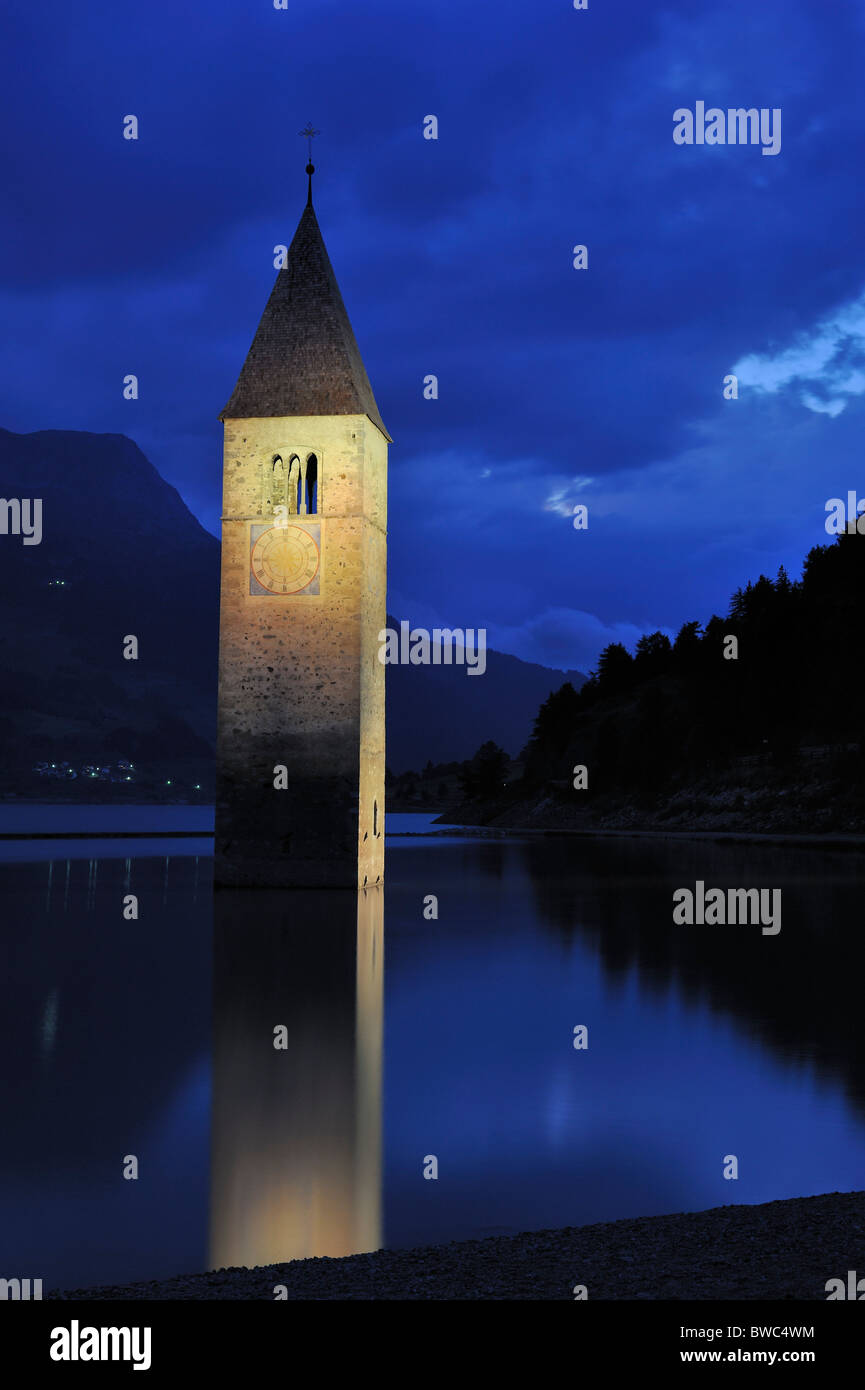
(454, 256)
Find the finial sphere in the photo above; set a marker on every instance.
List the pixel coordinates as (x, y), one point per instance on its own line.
(310, 169)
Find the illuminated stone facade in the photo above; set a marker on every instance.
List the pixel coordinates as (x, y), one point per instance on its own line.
(302, 597)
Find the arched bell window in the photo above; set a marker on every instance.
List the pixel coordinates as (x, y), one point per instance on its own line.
(311, 484)
(273, 474)
(290, 480)
(294, 485)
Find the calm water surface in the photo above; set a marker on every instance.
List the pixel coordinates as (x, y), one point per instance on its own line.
(400, 1037)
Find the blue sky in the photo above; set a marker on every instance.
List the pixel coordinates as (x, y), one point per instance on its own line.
(454, 256)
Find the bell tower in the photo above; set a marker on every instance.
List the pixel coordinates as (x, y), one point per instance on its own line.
(300, 776)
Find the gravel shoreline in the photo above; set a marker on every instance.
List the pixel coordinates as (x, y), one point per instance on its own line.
(777, 1250)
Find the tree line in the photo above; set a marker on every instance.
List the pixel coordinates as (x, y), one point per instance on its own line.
(678, 709)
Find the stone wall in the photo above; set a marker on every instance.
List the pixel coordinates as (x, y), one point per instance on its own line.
(300, 683)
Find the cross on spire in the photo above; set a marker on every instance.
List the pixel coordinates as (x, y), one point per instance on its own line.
(308, 133)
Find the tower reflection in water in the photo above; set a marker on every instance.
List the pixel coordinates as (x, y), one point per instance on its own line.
(296, 1130)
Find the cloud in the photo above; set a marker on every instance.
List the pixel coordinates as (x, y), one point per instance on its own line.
(567, 638)
(561, 499)
(556, 386)
(830, 358)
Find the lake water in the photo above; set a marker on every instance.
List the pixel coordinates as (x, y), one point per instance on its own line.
(402, 1038)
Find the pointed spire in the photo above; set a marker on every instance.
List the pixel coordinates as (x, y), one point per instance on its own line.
(304, 359)
(309, 132)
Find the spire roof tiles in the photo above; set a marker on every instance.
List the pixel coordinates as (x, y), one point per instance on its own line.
(304, 359)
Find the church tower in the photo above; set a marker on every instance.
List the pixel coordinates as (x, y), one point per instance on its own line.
(300, 777)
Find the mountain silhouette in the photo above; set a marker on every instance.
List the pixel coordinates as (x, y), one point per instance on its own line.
(122, 556)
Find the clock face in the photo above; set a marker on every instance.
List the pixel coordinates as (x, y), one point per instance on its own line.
(284, 559)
